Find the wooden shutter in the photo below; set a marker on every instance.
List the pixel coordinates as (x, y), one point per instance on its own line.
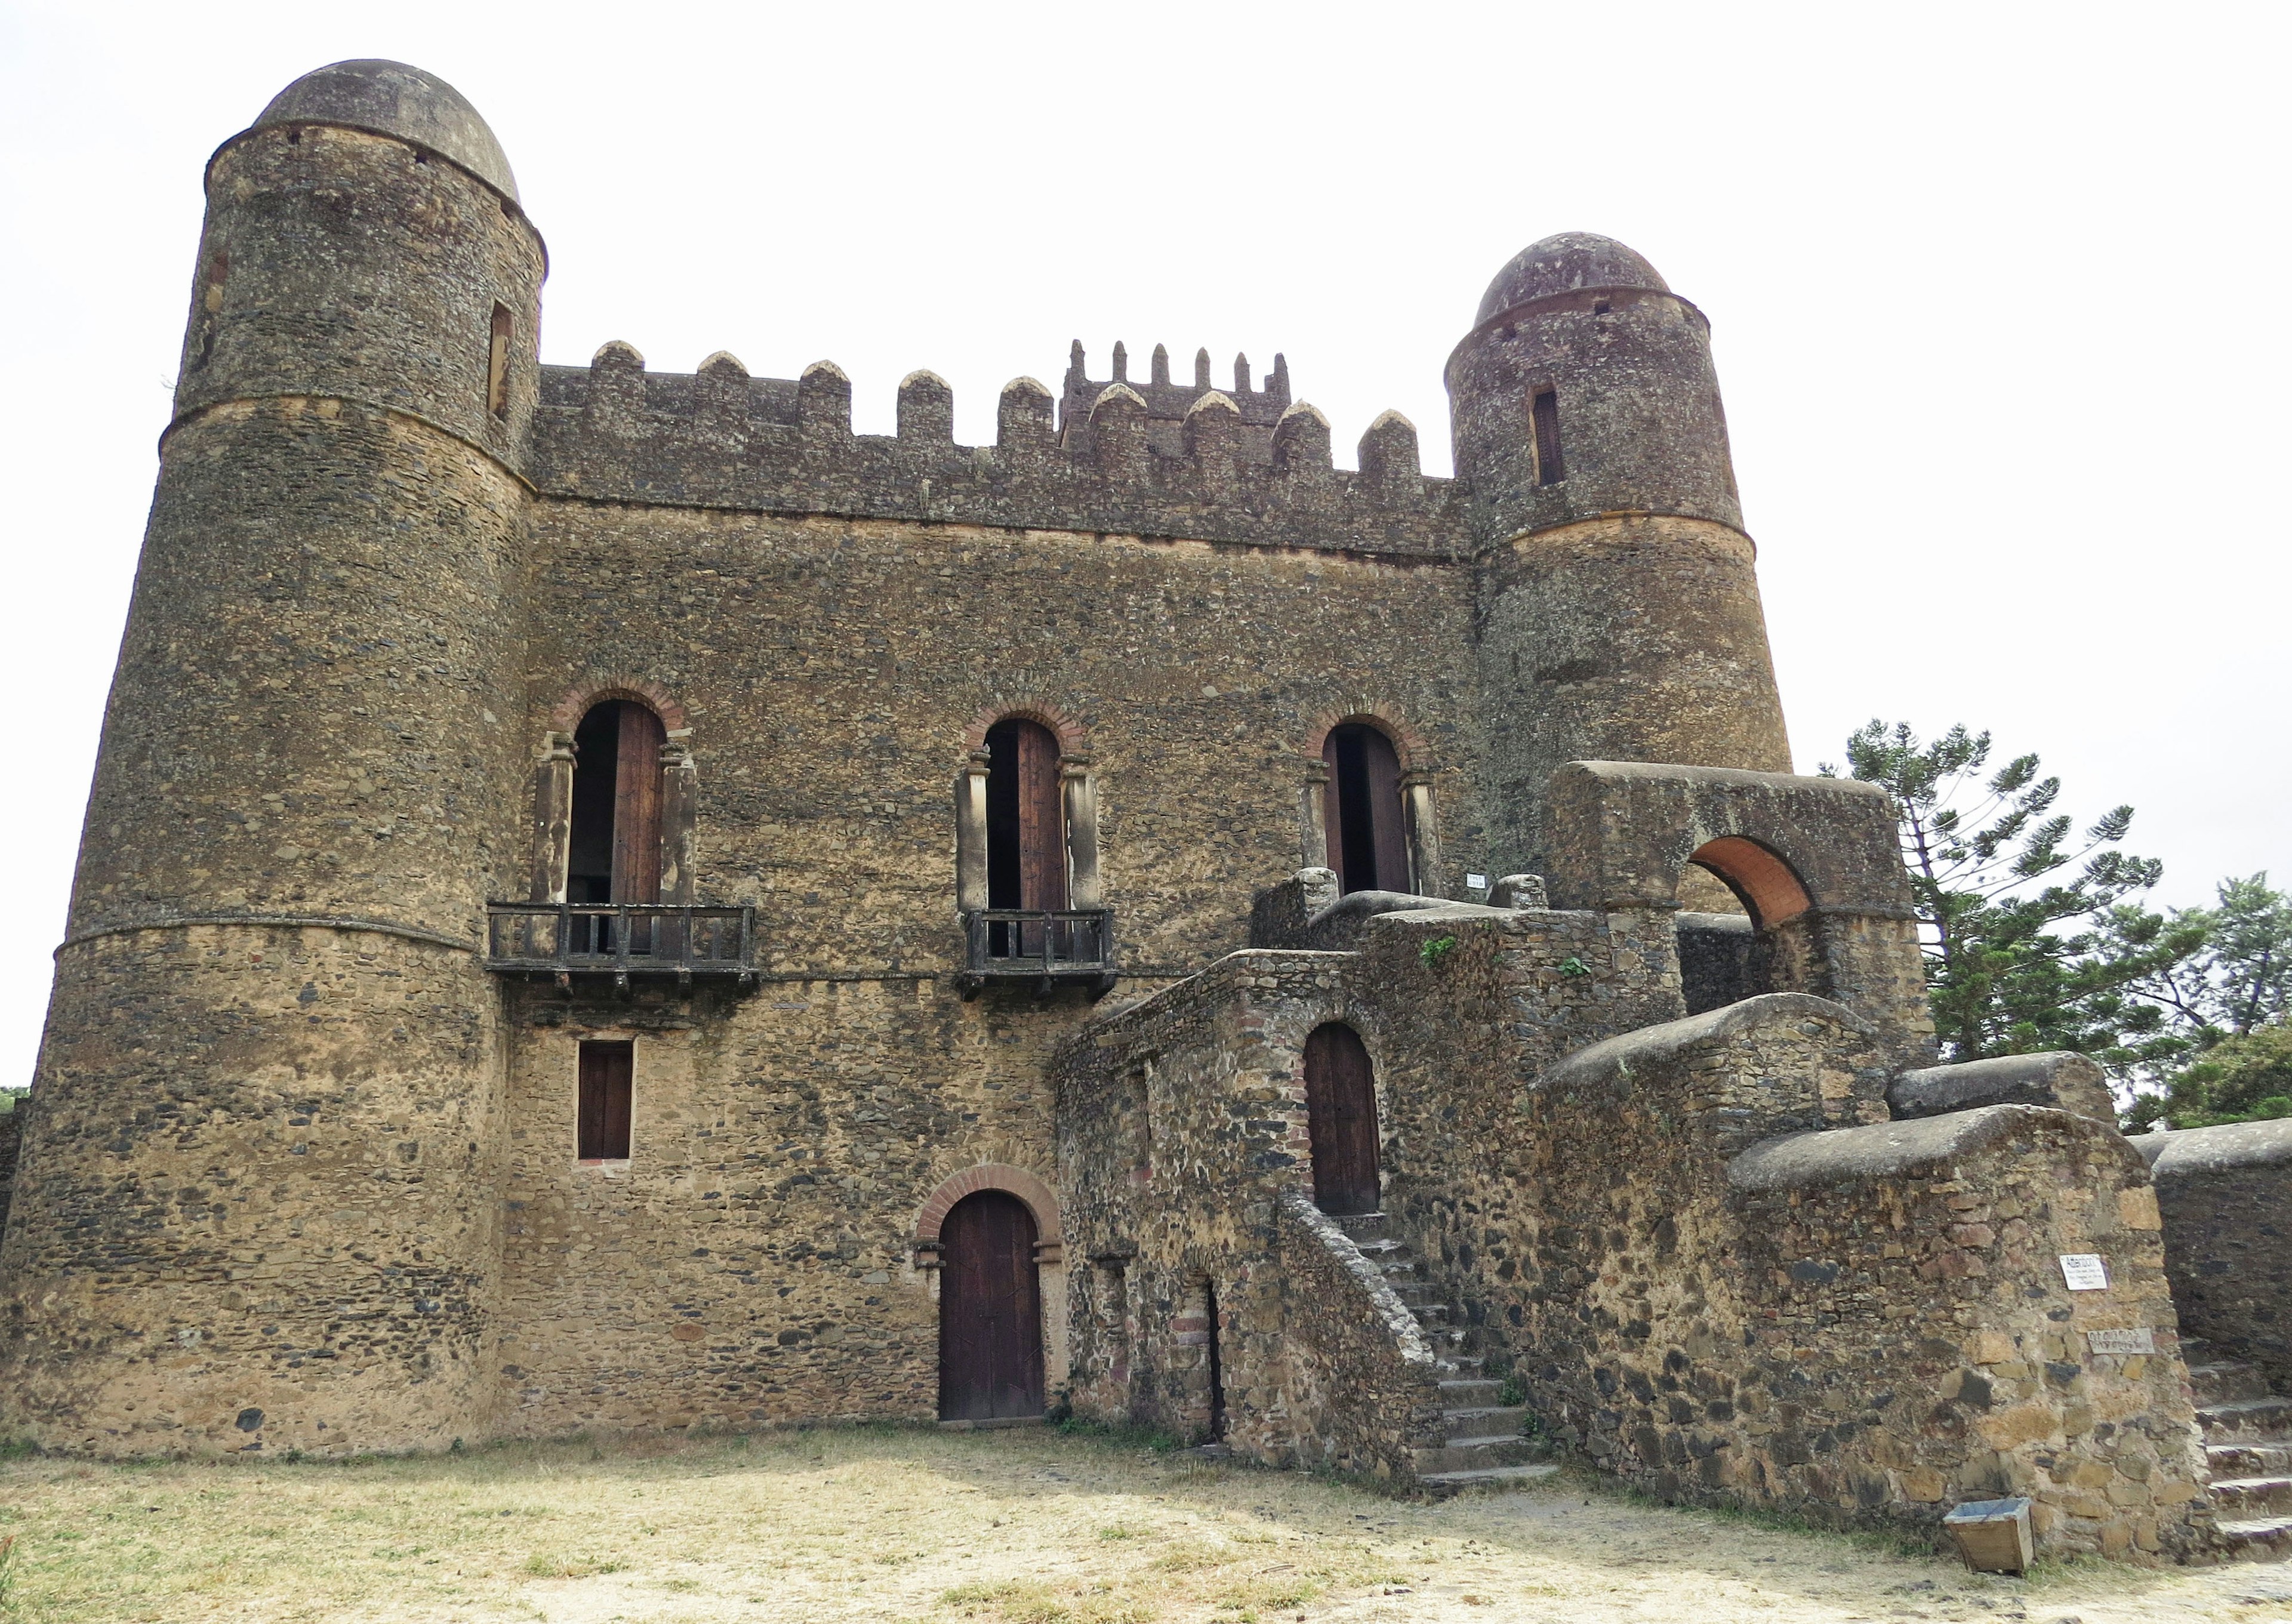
(608, 1075)
(636, 806)
(1333, 813)
(1042, 820)
(1546, 412)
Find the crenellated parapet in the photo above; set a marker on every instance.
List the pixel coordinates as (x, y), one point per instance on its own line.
(1246, 464)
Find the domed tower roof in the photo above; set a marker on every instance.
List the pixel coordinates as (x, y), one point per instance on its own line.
(1563, 263)
(392, 99)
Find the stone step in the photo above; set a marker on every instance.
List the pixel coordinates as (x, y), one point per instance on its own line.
(1445, 1483)
(1360, 1227)
(1475, 1454)
(2266, 1420)
(2259, 1539)
(1484, 1420)
(2227, 1382)
(1470, 1392)
(2247, 1460)
(2252, 1496)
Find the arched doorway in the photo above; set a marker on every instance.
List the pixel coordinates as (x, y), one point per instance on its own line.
(1340, 1120)
(990, 1313)
(1756, 945)
(1361, 813)
(614, 855)
(1026, 829)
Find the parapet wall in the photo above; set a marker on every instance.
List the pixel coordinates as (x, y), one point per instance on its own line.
(722, 438)
(2226, 1193)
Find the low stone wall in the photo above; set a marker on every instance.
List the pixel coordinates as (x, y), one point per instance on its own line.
(2062, 1080)
(2225, 1195)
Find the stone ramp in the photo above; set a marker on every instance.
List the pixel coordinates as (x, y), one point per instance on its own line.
(2247, 1434)
(1478, 1442)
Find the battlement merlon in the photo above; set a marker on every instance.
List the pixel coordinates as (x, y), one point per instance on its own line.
(1229, 466)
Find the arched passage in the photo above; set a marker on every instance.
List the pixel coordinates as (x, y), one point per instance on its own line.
(1367, 831)
(1724, 958)
(1340, 1120)
(990, 1313)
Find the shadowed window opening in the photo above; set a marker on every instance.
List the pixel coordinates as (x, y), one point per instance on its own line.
(1546, 412)
(1341, 1120)
(614, 851)
(1737, 895)
(497, 365)
(1363, 816)
(1216, 1361)
(607, 1074)
(1026, 828)
(990, 1314)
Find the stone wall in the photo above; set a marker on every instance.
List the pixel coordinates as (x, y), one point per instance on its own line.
(2226, 1193)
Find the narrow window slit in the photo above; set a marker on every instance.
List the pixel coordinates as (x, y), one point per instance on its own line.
(608, 1076)
(1546, 411)
(497, 365)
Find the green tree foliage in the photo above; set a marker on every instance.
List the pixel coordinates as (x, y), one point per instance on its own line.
(2036, 940)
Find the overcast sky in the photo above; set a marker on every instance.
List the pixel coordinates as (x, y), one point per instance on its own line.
(1992, 289)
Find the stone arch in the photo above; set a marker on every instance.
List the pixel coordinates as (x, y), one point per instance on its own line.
(566, 715)
(1029, 1187)
(1416, 755)
(1761, 877)
(1073, 737)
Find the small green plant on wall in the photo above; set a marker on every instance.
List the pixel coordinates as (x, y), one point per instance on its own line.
(1434, 951)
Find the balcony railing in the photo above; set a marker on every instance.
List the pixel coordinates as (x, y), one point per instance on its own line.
(621, 940)
(1041, 946)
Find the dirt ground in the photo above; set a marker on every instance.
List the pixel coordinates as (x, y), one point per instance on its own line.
(1003, 1528)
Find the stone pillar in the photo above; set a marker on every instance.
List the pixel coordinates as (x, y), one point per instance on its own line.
(1083, 887)
(680, 794)
(970, 832)
(1313, 817)
(1423, 835)
(552, 816)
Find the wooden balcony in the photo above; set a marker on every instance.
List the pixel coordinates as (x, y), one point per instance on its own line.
(626, 941)
(1038, 948)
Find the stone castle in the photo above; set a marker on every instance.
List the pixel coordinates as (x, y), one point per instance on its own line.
(610, 901)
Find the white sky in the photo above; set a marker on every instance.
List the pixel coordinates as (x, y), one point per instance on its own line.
(1990, 286)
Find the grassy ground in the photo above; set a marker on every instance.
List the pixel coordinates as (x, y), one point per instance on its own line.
(1001, 1528)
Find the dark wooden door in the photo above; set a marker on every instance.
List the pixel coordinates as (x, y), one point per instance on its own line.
(636, 806)
(1341, 1117)
(1361, 812)
(990, 1313)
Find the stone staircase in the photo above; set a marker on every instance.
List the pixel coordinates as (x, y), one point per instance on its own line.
(2248, 1451)
(1479, 1441)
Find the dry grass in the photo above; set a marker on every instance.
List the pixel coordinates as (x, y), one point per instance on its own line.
(1001, 1528)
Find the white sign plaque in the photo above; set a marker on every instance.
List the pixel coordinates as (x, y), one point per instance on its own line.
(1477, 882)
(2140, 1339)
(2084, 1272)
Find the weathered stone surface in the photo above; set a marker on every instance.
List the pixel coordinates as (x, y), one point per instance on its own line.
(2225, 1197)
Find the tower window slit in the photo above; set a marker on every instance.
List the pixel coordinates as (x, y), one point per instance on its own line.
(497, 365)
(1546, 412)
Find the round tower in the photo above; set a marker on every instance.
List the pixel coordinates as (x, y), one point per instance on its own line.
(1620, 609)
(254, 1209)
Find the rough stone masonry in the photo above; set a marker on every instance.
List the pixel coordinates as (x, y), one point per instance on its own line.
(610, 900)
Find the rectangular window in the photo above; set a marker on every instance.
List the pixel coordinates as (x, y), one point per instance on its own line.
(1545, 410)
(607, 1071)
(497, 365)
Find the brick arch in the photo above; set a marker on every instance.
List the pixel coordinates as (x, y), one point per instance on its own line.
(566, 715)
(1073, 737)
(1408, 743)
(990, 1175)
(1768, 887)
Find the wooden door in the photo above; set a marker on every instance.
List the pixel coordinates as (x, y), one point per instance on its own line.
(636, 806)
(1340, 1120)
(1360, 810)
(990, 1313)
(1042, 820)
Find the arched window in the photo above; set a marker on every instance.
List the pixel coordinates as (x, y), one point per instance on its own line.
(614, 854)
(1367, 836)
(1341, 1120)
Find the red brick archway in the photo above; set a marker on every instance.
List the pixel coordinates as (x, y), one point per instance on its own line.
(567, 714)
(1767, 885)
(1038, 1196)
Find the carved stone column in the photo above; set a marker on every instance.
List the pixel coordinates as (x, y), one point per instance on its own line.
(552, 816)
(680, 797)
(1083, 887)
(1313, 817)
(1423, 835)
(970, 832)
